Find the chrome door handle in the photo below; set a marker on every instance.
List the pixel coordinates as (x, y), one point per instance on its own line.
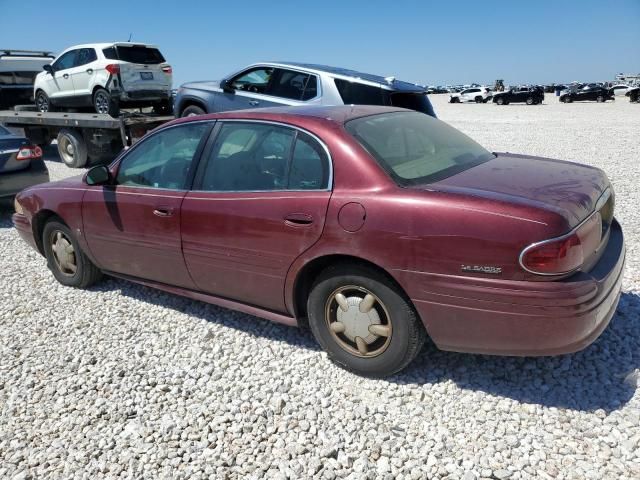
(89, 71)
(163, 212)
(254, 102)
(66, 75)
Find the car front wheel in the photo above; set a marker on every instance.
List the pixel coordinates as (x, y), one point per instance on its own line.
(500, 101)
(363, 321)
(530, 101)
(600, 99)
(43, 104)
(69, 265)
(192, 110)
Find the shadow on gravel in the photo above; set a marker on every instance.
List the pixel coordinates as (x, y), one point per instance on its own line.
(603, 376)
(595, 378)
(6, 210)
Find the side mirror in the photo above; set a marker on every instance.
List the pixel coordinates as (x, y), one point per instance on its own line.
(98, 175)
(48, 68)
(225, 85)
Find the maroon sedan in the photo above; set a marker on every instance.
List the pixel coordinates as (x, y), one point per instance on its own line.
(380, 225)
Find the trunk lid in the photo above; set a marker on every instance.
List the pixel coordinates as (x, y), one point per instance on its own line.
(568, 189)
(9, 147)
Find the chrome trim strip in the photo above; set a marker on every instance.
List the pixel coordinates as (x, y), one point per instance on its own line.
(607, 192)
(3, 152)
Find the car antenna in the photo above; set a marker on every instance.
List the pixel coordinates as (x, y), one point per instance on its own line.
(130, 35)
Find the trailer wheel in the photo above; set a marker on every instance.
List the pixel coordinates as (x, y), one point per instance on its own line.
(72, 148)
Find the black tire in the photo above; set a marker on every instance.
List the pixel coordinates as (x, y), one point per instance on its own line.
(478, 99)
(104, 104)
(43, 103)
(72, 148)
(530, 101)
(599, 99)
(500, 101)
(567, 99)
(192, 110)
(86, 273)
(407, 334)
(163, 108)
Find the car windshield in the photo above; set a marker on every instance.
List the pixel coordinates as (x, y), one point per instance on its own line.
(414, 148)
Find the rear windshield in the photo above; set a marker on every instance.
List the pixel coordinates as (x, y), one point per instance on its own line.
(135, 54)
(414, 148)
(4, 131)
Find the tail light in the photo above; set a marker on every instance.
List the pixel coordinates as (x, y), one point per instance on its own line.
(565, 254)
(29, 153)
(113, 68)
(167, 69)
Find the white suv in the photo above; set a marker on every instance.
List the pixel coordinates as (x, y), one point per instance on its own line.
(106, 76)
(474, 94)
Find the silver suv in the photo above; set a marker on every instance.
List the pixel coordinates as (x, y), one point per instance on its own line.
(294, 84)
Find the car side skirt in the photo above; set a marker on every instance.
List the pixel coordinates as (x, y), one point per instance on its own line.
(212, 299)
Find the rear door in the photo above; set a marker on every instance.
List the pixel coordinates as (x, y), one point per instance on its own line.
(259, 201)
(142, 68)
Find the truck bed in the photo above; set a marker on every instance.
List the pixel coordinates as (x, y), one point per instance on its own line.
(80, 120)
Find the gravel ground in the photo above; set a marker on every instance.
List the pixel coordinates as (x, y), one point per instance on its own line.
(125, 381)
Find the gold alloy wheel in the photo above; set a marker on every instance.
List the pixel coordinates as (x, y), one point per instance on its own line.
(358, 321)
(63, 253)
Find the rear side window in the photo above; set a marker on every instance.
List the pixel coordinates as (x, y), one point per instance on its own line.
(139, 54)
(110, 53)
(353, 93)
(413, 101)
(263, 157)
(293, 85)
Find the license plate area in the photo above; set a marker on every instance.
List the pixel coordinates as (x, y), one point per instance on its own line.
(146, 75)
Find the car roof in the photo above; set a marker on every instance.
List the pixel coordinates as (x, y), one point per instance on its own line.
(387, 82)
(110, 44)
(335, 114)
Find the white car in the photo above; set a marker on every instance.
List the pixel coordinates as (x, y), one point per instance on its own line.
(473, 94)
(106, 76)
(620, 90)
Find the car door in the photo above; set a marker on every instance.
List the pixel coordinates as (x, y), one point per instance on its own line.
(465, 95)
(259, 201)
(59, 84)
(83, 73)
(132, 226)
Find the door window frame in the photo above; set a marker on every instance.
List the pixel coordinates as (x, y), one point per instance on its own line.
(117, 163)
(268, 96)
(205, 157)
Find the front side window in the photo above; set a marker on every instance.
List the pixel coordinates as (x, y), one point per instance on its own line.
(65, 61)
(255, 80)
(263, 157)
(414, 148)
(164, 159)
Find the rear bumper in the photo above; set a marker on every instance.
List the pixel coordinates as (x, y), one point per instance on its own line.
(13, 182)
(502, 317)
(134, 96)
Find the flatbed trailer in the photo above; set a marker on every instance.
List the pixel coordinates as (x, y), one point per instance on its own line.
(84, 139)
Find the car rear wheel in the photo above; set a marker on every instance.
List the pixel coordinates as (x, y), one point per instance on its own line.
(478, 99)
(192, 110)
(362, 320)
(530, 101)
(567, 99)
(43, 104)
(500, 101)
(599, 99)
(72, 148)
(163, 108)
(103, 103)
(69, 265)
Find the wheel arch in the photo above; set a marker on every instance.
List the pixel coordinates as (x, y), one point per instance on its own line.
(309, 272)
(38, 221)
(191, 101)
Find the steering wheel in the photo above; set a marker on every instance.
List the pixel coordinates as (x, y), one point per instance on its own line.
(253, 88)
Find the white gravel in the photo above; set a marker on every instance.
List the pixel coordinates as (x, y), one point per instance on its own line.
(125, 381)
